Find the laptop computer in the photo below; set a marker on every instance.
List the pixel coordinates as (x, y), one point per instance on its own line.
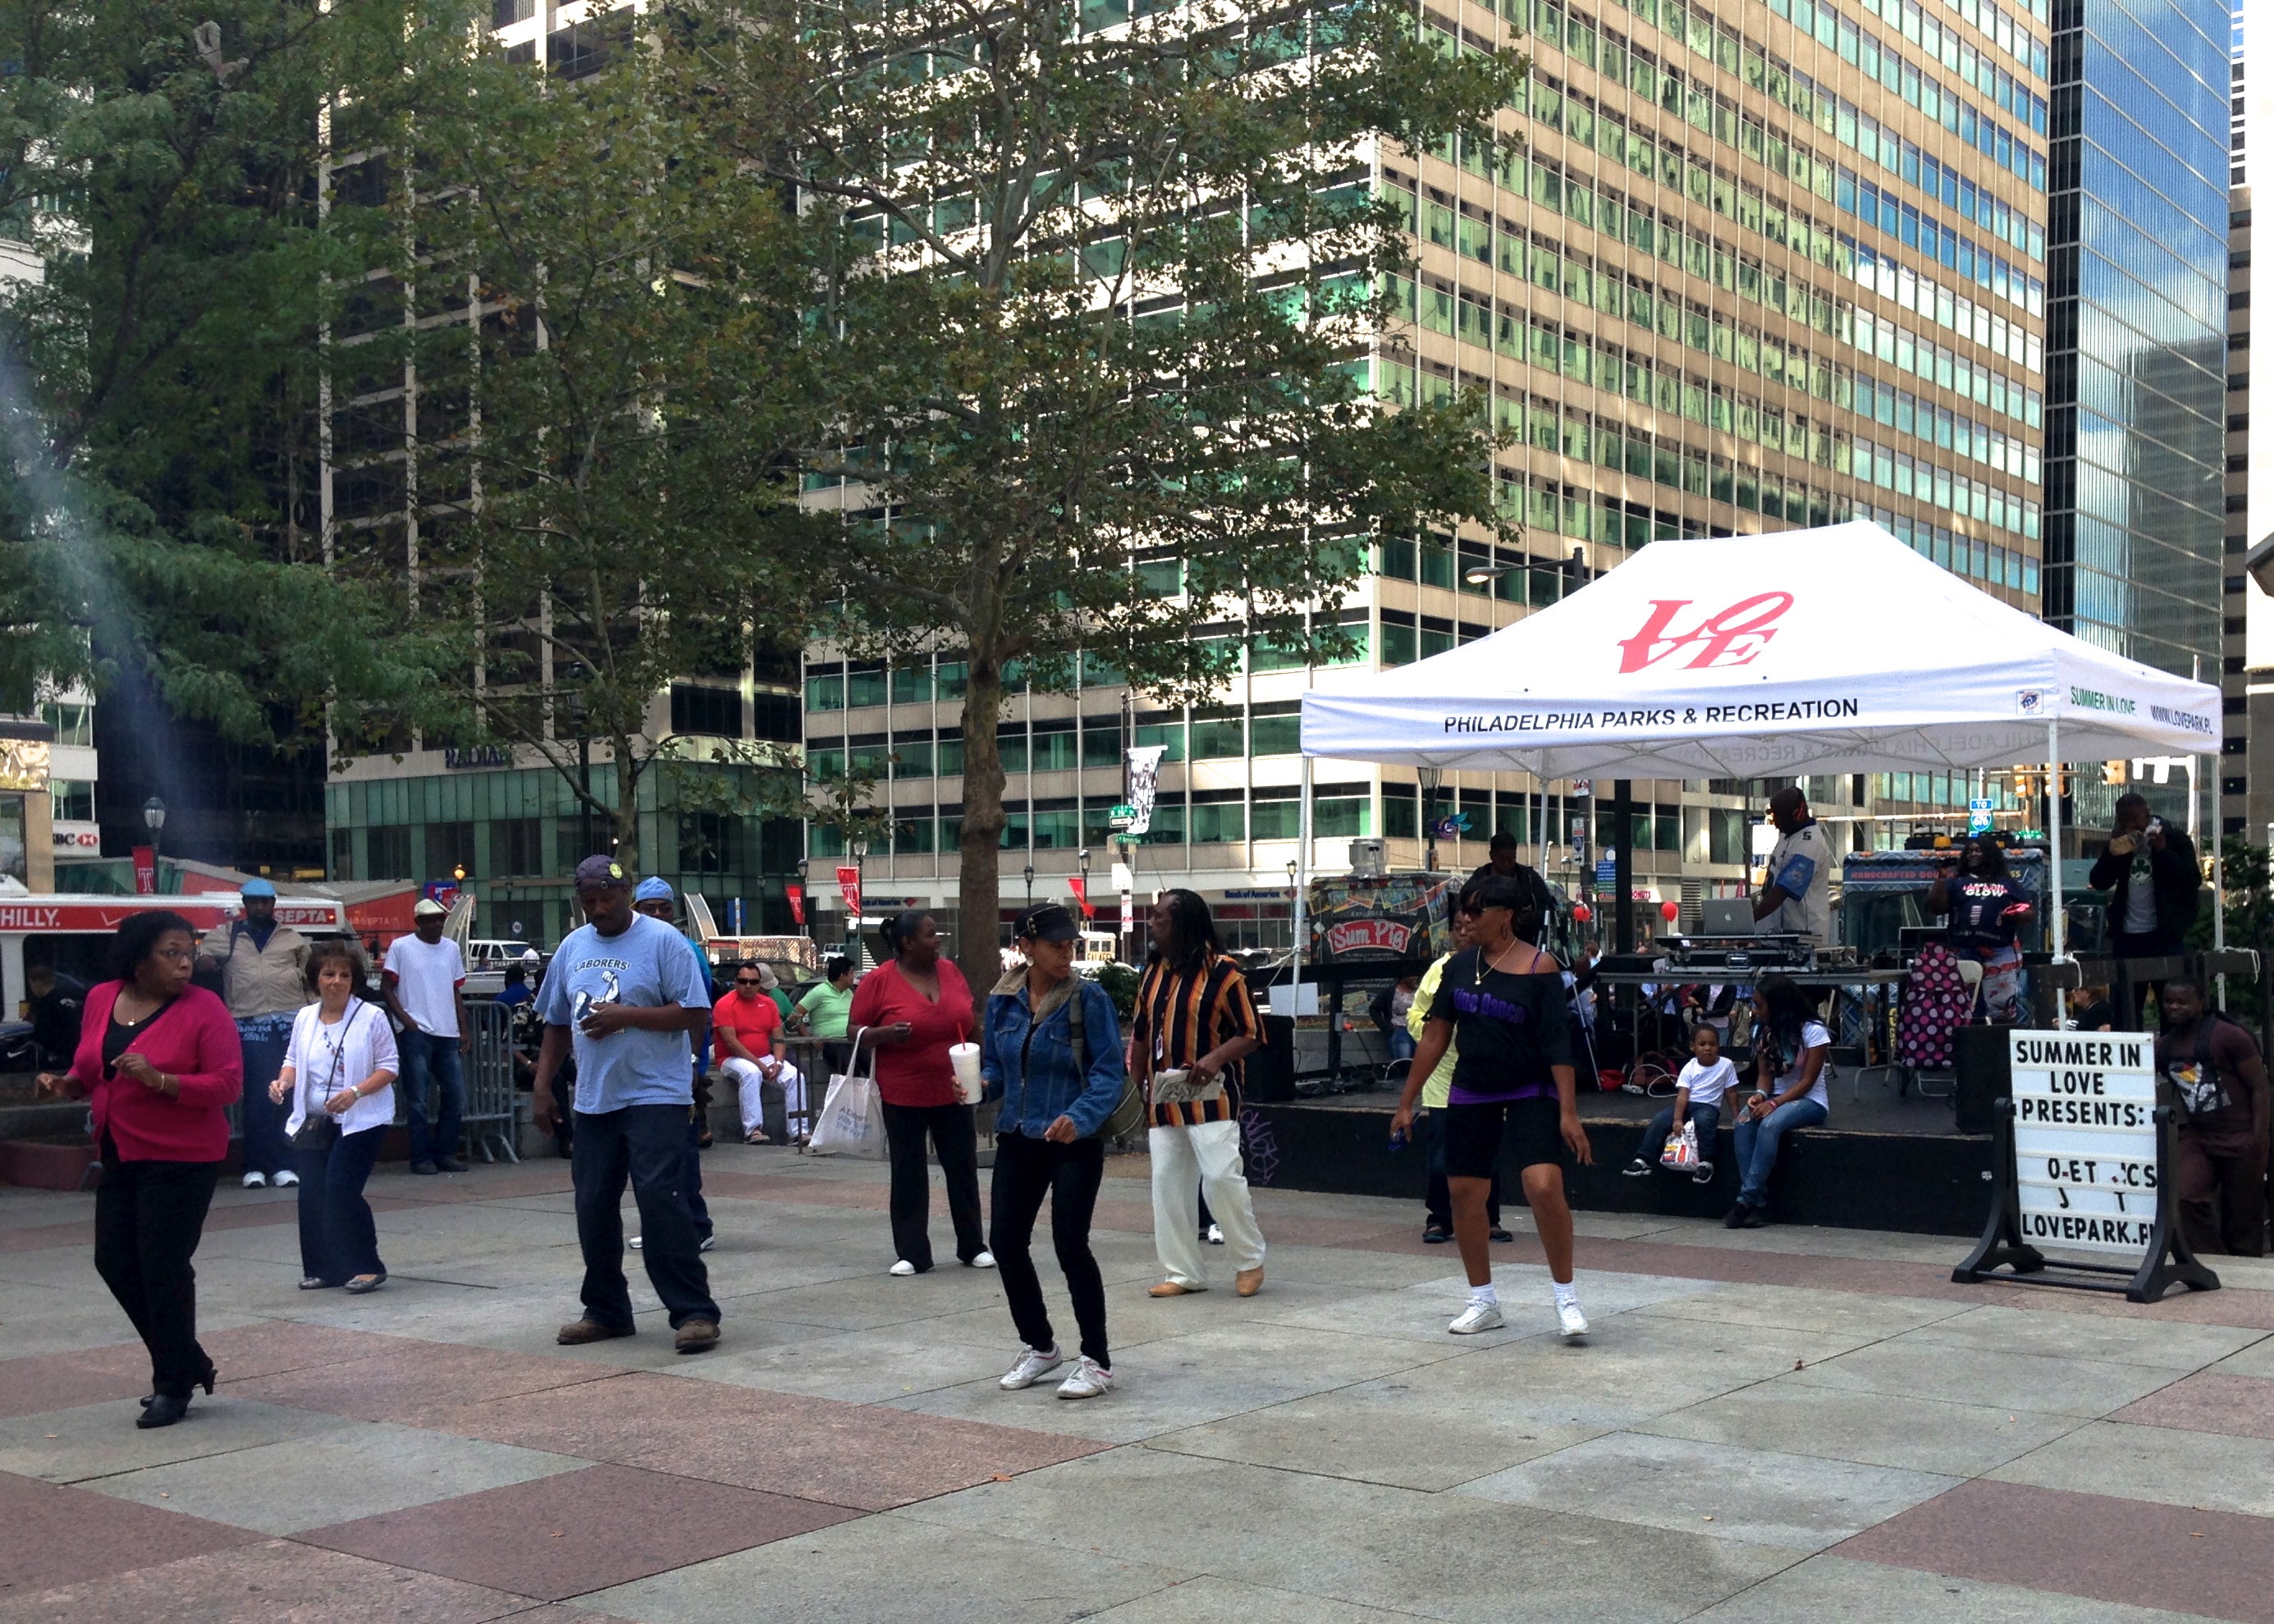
(1726, 916)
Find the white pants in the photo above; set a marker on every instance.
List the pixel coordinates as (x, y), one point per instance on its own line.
(751, 1085)
(1184, 1161)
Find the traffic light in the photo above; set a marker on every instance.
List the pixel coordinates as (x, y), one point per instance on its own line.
(2025, 784)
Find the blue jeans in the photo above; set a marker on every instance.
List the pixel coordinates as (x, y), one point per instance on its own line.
(264, 1037)
(1401, 1044)
(1757, 1141)
(338, 1240)
(1708, 1119)
(432, 1063)
(647, 1145)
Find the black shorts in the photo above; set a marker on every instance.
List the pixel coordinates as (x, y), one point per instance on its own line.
(1474, 1133)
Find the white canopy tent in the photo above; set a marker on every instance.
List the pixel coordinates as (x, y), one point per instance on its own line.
(1837, 650)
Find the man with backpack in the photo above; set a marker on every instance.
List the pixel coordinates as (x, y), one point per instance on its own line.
(2217, 1081)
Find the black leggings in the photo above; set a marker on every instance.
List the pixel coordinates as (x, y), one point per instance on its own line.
(954, 1135)
(1025, 1171)
(148, 1217)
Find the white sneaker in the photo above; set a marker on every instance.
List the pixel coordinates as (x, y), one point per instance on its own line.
(1216, 1235)
(256, 1181)
(1568, 1321)
(903, 1268)
(1089, 1379)
(706, 1242)
(286, 1179)
(1477, 1316)
(1031, 1367)
(985, 1260)
(634, 1242)
(1704, 1174)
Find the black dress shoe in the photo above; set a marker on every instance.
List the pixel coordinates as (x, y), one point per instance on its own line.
(1755, 1218)
(163, 1409)
(1735, 1220)
(317, 1282)
(451, 1164)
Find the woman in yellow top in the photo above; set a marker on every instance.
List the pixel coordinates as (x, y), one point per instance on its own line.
(1434, 1095)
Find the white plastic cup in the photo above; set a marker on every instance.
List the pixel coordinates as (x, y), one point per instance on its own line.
(969, 1084)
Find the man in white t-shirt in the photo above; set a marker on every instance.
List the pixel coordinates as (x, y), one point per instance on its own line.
(423, 975)
(1797, 901)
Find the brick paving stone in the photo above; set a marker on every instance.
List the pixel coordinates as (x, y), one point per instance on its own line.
(64, 1380)
(859, 1456)
(272, 1580)
(57, 1535)
(2209, 1402)
(2209, 1563)
(563, 1536)
(407, 1379)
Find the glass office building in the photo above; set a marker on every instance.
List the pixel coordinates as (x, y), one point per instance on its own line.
(1759, 264)
(2136, 330)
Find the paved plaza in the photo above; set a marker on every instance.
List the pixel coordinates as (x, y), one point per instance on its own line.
(1764, 1426)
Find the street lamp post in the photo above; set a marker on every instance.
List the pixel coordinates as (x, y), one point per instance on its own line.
(805, 899)
(153, 816)
(1083, 856)
(1030, 881)
(1432, 778)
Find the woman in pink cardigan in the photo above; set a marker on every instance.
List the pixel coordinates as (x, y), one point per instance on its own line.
(161, 1061)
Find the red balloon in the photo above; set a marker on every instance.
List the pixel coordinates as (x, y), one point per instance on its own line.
(1671, 911)
(1581, 912)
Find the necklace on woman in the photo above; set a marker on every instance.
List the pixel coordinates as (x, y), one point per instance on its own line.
(1491, 962)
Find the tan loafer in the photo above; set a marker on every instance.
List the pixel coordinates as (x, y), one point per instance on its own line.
(697, 1336)
(1247, 1282)
(582, 1331)
(1170, 1287)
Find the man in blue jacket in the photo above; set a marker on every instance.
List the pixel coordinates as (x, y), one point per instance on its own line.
(1051, 1050)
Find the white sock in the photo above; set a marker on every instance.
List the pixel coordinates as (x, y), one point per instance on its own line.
(1483, 1294)
(1566, 1291)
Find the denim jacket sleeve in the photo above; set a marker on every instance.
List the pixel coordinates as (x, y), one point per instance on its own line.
(990, 1044)
(1103, 1069)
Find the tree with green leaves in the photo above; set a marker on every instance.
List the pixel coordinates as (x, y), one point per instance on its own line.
(1099, 326)
(162, 286)
(599, 429)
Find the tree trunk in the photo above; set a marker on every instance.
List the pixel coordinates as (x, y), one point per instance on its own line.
(624, 817)
(979, 891)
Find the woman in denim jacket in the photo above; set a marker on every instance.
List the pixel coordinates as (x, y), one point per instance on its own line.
(1051, 1050)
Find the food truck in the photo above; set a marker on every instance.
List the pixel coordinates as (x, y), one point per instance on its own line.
(70, 935)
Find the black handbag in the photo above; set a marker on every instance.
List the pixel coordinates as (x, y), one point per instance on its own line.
(319, 1129)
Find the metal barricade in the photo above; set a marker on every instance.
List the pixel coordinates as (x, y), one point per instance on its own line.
(492, 1107)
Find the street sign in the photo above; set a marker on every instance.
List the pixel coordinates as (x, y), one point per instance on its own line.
(1606, 872)
(1977, 815)
(1121, 817)
(2083, 1164)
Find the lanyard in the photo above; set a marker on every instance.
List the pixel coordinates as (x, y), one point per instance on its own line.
(315, 1107)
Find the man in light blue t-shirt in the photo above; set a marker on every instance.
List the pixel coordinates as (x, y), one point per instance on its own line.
(624, 989)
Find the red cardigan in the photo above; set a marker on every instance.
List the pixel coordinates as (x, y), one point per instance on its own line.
(916, 1072)
(194, 1040)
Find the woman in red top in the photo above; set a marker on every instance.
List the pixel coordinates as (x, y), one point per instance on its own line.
(909, 1011)
(161, 1061)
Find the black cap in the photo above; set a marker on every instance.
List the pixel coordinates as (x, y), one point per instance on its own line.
(1046, 921)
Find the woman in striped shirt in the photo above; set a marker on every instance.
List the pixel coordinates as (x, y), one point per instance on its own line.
(1195, 1017)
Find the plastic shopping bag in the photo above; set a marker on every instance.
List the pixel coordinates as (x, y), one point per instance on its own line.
(1680, 1153)
(852, 1119)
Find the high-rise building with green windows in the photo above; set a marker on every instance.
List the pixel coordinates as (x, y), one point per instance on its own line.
(1751, 265)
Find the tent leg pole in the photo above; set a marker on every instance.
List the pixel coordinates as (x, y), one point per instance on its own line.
(2217, 871)
(1623, 869)
(1302, 885)
(2053, 862)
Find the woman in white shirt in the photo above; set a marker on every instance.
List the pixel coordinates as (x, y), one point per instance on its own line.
(1793, 1046)
(339, 1075)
